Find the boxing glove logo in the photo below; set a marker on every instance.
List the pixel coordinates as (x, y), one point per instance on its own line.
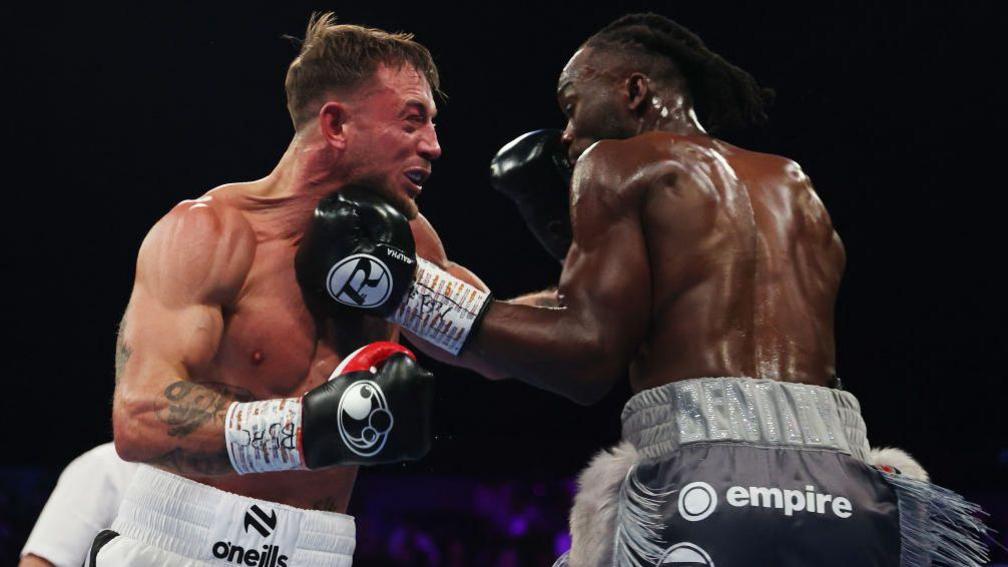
(364, 418)
(359, 280)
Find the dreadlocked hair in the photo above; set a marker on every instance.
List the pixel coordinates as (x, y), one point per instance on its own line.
(725, 95)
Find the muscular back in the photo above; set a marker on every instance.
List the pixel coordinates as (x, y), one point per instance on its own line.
(742, 259)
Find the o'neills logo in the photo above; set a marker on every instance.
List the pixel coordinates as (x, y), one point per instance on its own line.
(257, 519)
(268, 557)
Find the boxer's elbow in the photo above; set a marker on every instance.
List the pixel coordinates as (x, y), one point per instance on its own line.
(128, 444)
(132, 442)
(596, 367)
(599, 348)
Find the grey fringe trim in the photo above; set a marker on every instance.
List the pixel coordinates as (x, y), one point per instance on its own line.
(562, 560)
(937, 524)
(638, 540)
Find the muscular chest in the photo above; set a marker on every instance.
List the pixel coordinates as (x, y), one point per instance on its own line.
(271, 344)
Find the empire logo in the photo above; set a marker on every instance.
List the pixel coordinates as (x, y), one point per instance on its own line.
(270, 556)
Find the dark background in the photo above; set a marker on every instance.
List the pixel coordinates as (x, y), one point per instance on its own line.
(116, 113)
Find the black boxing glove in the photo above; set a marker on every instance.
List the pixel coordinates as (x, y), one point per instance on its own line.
(359, 252)
(533, 171)
(380, 404)
(375, 409)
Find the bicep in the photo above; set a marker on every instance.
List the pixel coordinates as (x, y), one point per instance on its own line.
(180, 339)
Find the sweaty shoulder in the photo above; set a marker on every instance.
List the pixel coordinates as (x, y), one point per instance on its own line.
(641, 161)
(614, 174)
(773, 171)
(201, 250)
(781, 185)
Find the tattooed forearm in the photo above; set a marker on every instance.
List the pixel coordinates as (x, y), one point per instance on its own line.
(192, 404)
(189, 406)
(183, 462)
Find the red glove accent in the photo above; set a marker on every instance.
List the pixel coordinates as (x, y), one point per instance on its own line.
(369, 357)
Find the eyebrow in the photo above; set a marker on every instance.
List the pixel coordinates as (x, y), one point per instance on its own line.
(420, 106)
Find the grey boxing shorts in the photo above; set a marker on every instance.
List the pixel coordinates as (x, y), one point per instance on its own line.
(732, 472)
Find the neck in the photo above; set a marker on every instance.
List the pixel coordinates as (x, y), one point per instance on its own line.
(284, 200)
(306, 169)
(671, 114)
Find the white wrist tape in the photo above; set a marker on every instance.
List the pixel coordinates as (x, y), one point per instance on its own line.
(263, 436)
(440, 308)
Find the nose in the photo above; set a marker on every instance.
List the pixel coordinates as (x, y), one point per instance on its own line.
(429, 148)
(567, 136)
(567, 139)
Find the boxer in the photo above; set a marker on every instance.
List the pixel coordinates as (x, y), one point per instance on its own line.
(710, 273)
(249, 406)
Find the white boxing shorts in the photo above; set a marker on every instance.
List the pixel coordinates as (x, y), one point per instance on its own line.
(165, 519)
(84, 501)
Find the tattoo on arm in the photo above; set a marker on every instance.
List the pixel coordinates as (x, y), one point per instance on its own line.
(184, 462)
(192, 404)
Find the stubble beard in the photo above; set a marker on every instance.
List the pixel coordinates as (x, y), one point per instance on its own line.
(389, 192)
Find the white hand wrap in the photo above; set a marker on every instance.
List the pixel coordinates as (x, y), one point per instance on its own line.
(440, 308)
(263, 436)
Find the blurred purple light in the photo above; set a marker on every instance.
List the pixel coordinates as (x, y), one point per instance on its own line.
(561, 543)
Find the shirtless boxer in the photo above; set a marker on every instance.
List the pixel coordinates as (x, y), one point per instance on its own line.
(711, 273)
(224, 371)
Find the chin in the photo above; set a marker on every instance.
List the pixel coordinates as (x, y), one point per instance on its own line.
(397, 197)
(403, 202)
(408, 207)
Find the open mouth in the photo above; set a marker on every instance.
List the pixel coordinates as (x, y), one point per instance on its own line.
(416, 178)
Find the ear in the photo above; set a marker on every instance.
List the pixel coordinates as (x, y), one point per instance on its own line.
(638, 91)
(332, 124)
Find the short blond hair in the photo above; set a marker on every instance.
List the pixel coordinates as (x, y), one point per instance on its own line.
(341, 57)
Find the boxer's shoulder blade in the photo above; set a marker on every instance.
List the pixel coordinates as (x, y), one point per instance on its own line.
(201, 250)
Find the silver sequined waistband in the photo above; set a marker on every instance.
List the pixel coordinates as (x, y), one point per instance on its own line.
(766, 412)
